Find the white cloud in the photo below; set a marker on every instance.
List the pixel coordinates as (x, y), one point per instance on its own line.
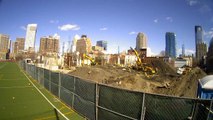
(56, 36)
(23, 28)
(205, 8)
(202, 6)
(208, 34)
(187, 52)
(104, 28)
(150, 53)
(54, 21)
(68, 27)
(132, 33)
(155, 20)
(192, 2)
(112, 48)
(170, 19)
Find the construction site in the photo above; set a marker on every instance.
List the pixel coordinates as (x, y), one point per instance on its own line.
(113, 86)
(131, 71)
(166, 81)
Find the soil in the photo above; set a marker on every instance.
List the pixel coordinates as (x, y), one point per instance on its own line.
(166, 81)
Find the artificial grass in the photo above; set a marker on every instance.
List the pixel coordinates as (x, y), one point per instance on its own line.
(19, 100)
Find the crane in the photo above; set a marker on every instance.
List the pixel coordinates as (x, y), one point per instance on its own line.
(90, 58)
(149, 72)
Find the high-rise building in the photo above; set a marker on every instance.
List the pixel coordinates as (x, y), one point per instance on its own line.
(198, 34)
(201, 48)
(141, 41)
(49, 44)
(84, 45)
(30, 37)
(170, 44)
(4, 45)
(183, 50)
(209, 60)
(73, 47)
(102, 43)
(15, 47)
(201, 51)
(19, 45)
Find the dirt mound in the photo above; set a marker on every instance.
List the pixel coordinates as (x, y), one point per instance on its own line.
(101, 74)
(165, 82)
(162, 67)
(90, 73)
(183, 86)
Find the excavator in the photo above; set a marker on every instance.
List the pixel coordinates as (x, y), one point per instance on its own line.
(149, 72)
(90, 58)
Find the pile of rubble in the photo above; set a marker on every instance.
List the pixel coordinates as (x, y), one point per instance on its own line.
(165, 82)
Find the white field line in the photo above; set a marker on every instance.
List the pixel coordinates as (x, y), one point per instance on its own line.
(45, 97)
(16, 87)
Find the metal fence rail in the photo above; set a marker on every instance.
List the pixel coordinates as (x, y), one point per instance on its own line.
(102, 102)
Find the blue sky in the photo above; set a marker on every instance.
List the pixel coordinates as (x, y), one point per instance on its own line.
(117, 21)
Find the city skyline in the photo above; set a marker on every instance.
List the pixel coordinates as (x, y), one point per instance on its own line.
(117, 21)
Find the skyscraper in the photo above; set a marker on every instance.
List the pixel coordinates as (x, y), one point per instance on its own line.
(170, 44)
(84, 45)
(198, 34)
(49, 44)
(183, 50)
(19, 45)
(30, 37)
(102, 43)
(209, 61)
(4, 45)
(141, 41)
(74, 41)
(201, 47)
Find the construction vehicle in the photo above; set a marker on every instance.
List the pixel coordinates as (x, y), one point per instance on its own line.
(149, 72)
(92, 60)
(183, 70)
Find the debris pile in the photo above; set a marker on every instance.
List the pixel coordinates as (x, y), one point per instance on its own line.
(165, 82)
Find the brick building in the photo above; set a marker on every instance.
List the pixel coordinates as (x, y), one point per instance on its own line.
(49, 45)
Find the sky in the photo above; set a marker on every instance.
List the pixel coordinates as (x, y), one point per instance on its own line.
(116, 21)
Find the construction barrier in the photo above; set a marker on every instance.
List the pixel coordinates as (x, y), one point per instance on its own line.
(102, 102)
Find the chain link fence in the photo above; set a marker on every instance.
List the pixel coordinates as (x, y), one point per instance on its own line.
(102, 102)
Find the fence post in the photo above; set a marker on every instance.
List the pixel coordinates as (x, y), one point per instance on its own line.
(26, 68)
(210, 110)
(97, 100)
(49, 80)
(56, 114)
(59, 85)
(143, 109)
(43, 78)
(34, 72)
(73, 98)
(39, 79)
(193, 109)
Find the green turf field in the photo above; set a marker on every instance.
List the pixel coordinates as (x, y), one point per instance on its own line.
(20, 100)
